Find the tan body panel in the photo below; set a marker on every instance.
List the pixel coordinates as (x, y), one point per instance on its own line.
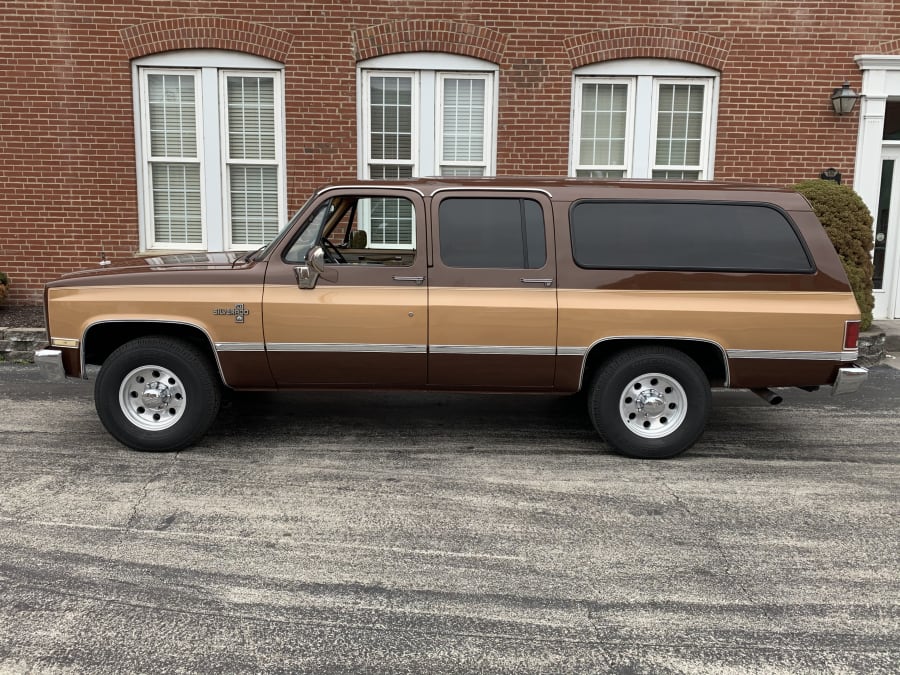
(347, 335)
(739, 323)
(74, 310)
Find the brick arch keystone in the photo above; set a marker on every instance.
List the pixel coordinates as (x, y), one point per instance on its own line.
(654, 42)
(428, 35)
(206, 32)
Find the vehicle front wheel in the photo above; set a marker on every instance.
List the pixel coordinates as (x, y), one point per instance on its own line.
(157, 393)
(650, 402)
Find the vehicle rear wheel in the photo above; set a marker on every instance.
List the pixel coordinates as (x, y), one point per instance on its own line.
(650, 402)
(157, 393)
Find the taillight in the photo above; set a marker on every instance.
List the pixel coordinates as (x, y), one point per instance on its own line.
(851, 335)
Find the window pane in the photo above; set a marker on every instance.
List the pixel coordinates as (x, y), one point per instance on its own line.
(679, 125)
(176, 203)
(389, 172)
(254, 204)
(600, 173)
(462, 170)
(463, 120)
(604, 119)
(685, 236)
(663, 174)
(492, 233)
(390, 117)
(172, 115)
(391, 221)
(251, 117)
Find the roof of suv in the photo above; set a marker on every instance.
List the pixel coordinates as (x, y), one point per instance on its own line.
(570, 189)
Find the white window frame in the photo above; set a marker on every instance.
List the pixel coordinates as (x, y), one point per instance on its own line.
(210, 65)
(365, 166)
(427, 66)
(278, 162)
(486, 150)
(704, 166)
(646, 75)
(630, 82)
(148, 161)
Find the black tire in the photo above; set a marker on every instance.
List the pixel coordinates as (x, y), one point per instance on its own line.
(157, 394)
(650, 402)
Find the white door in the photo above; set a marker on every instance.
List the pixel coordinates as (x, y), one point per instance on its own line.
(887, 233)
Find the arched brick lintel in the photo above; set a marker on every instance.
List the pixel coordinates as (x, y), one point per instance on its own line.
(888, 48)
(655, 42)
(206, 32)
(423, 35)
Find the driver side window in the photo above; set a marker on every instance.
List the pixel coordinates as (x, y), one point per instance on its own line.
(340, 225)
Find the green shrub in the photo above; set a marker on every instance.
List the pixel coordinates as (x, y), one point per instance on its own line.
(4, 286)
(849, 225)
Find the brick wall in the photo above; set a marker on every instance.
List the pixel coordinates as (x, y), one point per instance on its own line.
(67, 176)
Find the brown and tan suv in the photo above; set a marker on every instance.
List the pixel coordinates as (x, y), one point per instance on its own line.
(645, 295)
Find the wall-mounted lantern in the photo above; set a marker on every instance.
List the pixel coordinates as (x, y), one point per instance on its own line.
(831, 174)
(843, 99)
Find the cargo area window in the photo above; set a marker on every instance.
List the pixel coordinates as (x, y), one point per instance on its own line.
(492, 233)
(667, 235)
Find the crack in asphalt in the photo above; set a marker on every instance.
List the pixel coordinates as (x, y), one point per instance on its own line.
(133, 518)
(745, 592)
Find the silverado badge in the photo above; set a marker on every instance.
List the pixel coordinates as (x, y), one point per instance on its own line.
(238, 312)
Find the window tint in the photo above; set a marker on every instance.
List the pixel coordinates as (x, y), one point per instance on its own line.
(667, 235)
(492, 232)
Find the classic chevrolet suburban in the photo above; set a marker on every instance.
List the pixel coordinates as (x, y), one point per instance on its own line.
(644, 295)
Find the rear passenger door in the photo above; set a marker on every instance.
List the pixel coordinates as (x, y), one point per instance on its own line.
(492, 291)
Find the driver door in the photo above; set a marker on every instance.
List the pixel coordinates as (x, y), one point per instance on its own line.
(363, 321)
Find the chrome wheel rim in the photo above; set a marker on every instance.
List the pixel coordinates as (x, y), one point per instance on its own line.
(653, 405)
(152, 398)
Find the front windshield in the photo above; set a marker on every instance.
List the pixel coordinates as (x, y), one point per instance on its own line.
(267, 249)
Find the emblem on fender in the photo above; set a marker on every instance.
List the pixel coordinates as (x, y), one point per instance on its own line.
(238, 312)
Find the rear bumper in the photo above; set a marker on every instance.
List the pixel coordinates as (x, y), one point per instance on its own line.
(849, 379)
(49, 362)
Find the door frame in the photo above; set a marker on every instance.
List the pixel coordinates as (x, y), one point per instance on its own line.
(886, 298)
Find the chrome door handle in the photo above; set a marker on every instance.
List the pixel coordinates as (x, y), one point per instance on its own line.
(419, 280)
(546, 282)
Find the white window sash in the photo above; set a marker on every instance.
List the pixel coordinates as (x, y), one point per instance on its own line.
(487, 124)
(228, 163)
(365, 213)
(705, 129)
(626, 167)
(367, 121)
(149, 161)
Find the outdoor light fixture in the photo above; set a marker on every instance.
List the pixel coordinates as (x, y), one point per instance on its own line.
(843, 99)
(831, 174)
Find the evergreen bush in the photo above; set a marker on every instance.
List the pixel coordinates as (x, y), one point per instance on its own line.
(848, 223)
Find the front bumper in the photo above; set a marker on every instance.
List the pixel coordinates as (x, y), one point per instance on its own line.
(849, 379)
(49, 362)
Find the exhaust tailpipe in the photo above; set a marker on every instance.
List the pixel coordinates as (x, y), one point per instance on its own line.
(768, 396)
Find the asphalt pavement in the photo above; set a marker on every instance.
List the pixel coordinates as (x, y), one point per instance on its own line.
(394, 533)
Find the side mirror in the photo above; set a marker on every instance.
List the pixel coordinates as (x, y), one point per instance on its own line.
(308, 274)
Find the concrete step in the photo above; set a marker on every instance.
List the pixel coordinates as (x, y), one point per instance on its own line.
(18, 344)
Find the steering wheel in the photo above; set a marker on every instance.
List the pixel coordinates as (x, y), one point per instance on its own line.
(332, 253)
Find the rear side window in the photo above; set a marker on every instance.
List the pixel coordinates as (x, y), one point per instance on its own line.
(686, 236)
(492, 232)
